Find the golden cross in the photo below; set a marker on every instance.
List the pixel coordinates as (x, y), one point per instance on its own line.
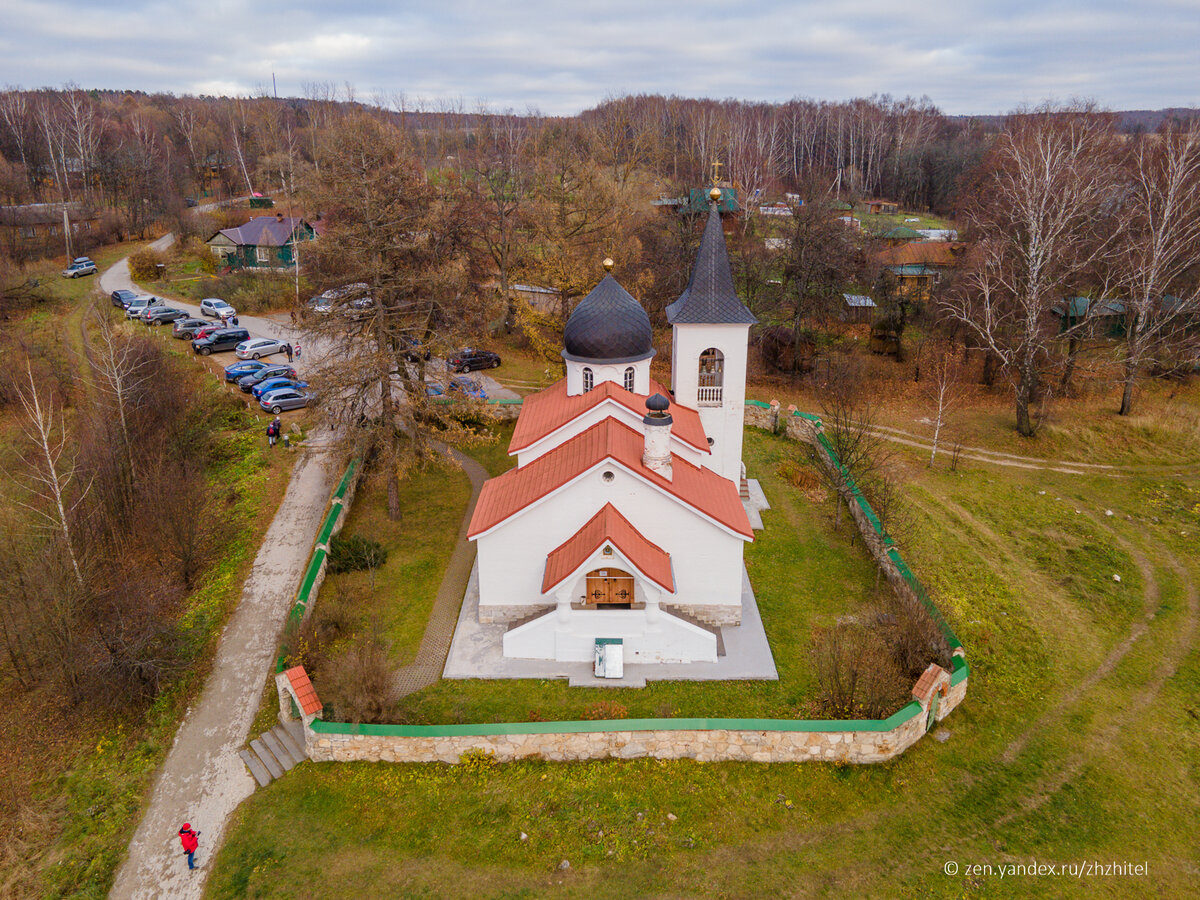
(716, 171)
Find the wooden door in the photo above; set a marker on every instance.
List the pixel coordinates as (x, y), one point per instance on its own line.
(609, 587)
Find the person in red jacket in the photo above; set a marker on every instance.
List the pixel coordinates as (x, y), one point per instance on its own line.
(191, 841)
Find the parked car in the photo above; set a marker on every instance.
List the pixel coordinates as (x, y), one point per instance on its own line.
(468, 387)
(271, 385)
(415, 349)
(191, 202)
(139, 305)
(241, 369)
(122, 298)
(323, 303)
(79, 267)
(158, 315)
(187, 328)
(221, 339)
(214, 307)
(469, 359)
(256, 347)
(277, 370)
(207, 329)
(287, 398)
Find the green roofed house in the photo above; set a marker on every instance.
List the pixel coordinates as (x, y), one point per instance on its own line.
(265, 243)
(901, 235)
(1108, 317)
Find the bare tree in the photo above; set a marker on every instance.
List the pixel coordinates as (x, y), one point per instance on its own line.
(50, 471)
(1162, 245)
(943, 390)
(1041, 216)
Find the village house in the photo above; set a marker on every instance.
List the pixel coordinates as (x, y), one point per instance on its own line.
(35, 230)
(857, 309)
(623, 523)
(877, 207)
(265, 243)
(919, 265)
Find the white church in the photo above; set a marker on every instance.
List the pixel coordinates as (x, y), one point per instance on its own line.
(622, 525)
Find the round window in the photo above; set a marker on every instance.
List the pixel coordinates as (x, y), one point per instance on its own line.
(711, 442)
(608, 476)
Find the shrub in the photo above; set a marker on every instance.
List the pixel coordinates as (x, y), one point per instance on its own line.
(359, 682)
(857, 677)
(477, 760)
(143, 265)
(351, 554)
(605, 709)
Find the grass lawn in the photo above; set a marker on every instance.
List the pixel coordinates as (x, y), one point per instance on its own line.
(1075, 744)
(397, 598)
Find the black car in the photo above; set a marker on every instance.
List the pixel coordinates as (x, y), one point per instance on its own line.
(221, 339)
(121, 298)
(469, 359)
(247, 382)
(185, 329)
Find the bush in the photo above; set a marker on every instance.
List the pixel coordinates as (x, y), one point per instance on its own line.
(359, 682)
(143, 265)
(605, 709)
(355, 553)
(857, 676)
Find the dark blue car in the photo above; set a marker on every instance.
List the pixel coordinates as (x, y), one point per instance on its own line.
(240, 369)
(272, 370)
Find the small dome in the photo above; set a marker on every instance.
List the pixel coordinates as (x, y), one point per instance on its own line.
(658, 403)
(608, 326)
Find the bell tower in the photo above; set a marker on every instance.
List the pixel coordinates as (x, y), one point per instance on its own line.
(710, 335)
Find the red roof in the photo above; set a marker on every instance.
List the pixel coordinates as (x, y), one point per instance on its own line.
(608, 526)
(928, 253)
(545, 412)
(305, 692)
(702, 489)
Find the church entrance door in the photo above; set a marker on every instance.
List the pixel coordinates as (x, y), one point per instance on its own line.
(612, 588)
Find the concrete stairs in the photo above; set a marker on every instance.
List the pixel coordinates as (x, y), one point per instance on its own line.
(275, 752)
(688, 617)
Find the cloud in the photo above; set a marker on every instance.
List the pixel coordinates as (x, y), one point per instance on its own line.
(968, 56)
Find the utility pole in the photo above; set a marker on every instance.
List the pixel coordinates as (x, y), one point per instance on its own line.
(67, 233)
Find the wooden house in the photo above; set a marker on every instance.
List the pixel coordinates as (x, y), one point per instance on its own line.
(266, 243)
(35, 230)
(878, 207)
(919, 265)
(857, 308)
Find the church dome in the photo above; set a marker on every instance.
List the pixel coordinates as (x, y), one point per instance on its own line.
(609, 325)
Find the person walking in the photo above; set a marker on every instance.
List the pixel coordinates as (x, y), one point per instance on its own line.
(273, 432)
(191, 842)
(296, 349)
(287, 348)
(233, 321)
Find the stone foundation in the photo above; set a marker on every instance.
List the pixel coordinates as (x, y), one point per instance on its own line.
(503, 615)
(715, 616)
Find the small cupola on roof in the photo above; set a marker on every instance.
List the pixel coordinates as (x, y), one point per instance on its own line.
(608, 326)
(709, 298)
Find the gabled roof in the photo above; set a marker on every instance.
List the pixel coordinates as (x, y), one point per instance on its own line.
(310, 704)
(928, 253)
(703, 490)
(263, 231)
(902, 233)
(608, 526)
(547, 411)
(709, 298)
(1078, 307)
(859, 300)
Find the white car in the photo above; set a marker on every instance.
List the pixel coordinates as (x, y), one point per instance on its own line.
(217, 308)
(257, 347)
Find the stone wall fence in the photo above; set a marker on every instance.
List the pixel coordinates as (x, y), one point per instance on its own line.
(936, 693)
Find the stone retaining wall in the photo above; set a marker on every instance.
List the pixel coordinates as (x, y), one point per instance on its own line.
(708, 740)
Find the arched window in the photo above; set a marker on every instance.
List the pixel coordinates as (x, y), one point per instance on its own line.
(712, 377)
(629, 374)
(589, 379)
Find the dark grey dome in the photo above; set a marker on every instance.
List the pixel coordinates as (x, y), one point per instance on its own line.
(658, 403)
(608, 326)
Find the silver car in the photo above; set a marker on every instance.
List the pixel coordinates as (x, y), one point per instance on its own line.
(276, 402)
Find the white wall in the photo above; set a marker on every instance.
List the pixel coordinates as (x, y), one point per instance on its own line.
(602, 372)
(668, 640)
(606, 410)
(722, 423)
(512, 557)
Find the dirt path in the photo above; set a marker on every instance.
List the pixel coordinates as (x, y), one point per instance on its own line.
(427, 667)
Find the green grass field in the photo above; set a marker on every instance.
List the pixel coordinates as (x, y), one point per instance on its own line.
(1076, 743)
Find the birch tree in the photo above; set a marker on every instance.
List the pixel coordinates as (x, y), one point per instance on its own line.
(1162, 246)
(1041, 218)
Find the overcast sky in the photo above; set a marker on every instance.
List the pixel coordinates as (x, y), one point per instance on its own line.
(559, 56)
